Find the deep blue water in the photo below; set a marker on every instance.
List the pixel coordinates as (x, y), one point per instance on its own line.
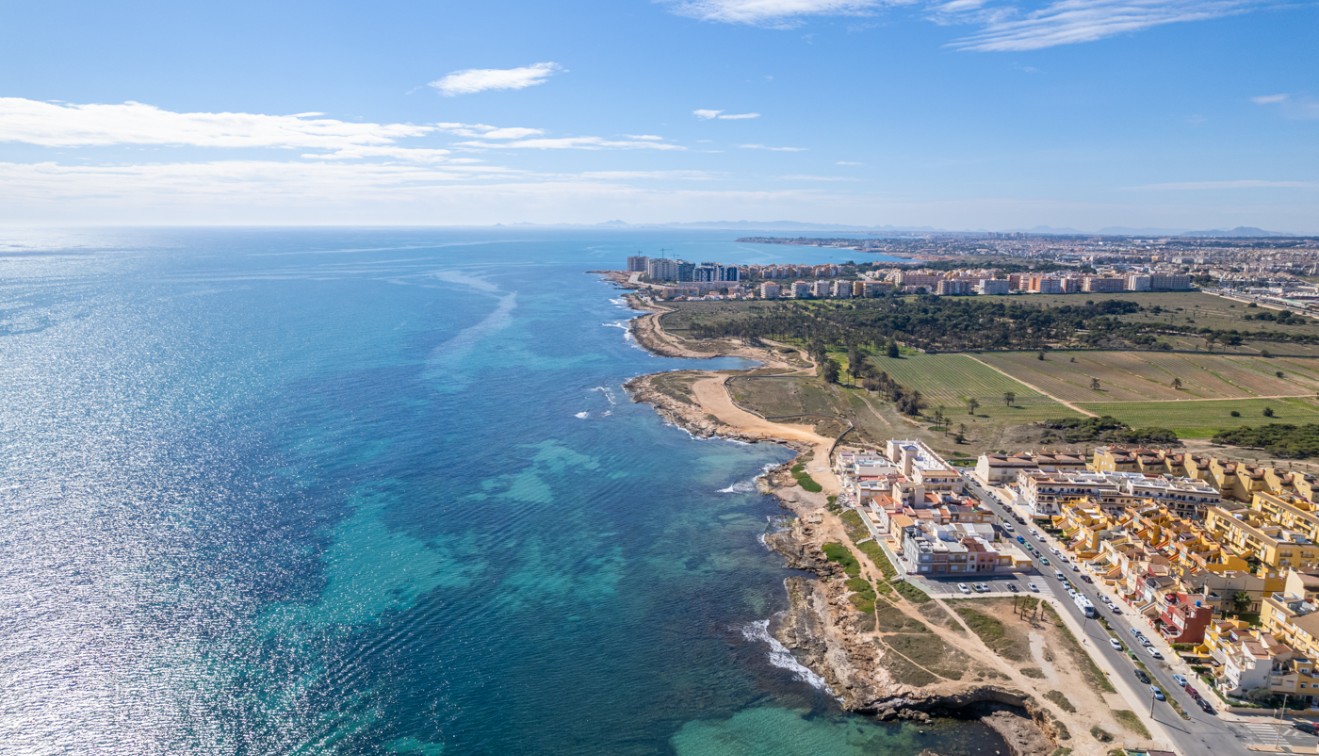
(370, 491)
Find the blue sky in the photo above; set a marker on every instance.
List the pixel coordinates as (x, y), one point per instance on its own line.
(956, 114)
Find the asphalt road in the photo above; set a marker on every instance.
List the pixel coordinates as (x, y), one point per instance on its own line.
(1203, 733)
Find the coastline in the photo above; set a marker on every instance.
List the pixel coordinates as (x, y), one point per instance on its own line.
(821, 627)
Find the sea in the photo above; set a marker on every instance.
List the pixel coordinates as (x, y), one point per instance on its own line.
(380, 491)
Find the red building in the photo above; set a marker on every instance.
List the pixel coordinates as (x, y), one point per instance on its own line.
(1184, 619)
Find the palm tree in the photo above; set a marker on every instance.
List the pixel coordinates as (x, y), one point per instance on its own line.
(972, 405)
(1177, 383)
(1009, 398)
(1094, 384)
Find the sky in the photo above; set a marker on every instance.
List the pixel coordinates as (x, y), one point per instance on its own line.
(953, 114)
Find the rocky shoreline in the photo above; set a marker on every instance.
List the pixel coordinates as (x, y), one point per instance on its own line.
(820, 627)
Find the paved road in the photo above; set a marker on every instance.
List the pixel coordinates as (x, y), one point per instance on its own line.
(1203, 734)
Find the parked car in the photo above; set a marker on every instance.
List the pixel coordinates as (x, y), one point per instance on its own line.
(1021, 539)
(1158, 694)
(1144, 678)
(1044, 560)
(1087, 579)
(1117, 609)
(1033, 588)
(982, 587)
(1075, 568)
(1205, 706)
(1190, 689)
(1179, 680)
(1116, 644)
(1136, 632)
(1154, 652)
(1307, 727)
(1013, 587)
(963, 588)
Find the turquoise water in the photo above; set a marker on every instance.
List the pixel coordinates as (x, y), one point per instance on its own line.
(377, 491)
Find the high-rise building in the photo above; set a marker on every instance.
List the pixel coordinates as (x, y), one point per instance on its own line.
(637, 263)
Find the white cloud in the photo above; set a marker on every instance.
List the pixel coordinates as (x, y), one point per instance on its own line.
(822, 179)
(473, 80)
(849, 163)
(771, 12)
(706, 114)
(572, 143)
(1301, 107)
(49, 124)
(1065, 22)
(1272, 99)
(771, 149)
(645, 137)
(486, 131)
(1231, 184)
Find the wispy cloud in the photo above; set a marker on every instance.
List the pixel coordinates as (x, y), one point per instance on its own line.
(1301, 107)
(1230, 184)
(771, 12)
(55, 124)
(1009, 28)
(820, 179)
(486, 131)
(571, 143)
(706, 114)
(473, 80)
(768, 148)
(849, 163)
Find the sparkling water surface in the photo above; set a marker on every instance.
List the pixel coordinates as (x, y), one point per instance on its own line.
(378, 491)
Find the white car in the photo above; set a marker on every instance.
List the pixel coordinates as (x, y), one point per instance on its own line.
(1033, 588)
(1154, 652)
(963, 588)
(1117, 646)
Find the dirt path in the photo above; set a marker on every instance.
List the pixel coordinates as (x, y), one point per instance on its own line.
(1036, 389)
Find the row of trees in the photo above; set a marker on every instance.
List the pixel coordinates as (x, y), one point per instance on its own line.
(968, 324)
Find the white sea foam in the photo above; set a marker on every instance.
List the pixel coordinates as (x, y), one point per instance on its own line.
(608, 394)
(781, 657)
(582, 415)
(741, 487)
(620, 302)
(616, 324)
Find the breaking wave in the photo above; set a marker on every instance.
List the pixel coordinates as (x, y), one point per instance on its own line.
(780, 656)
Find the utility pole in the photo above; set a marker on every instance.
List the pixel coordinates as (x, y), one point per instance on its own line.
(1152, 700)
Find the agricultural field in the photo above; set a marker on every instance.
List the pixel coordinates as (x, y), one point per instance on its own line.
(1204, 419)
(1150, 376)
(948, 380)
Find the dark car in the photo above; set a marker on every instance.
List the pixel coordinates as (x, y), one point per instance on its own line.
(1013, 587)
(1307, 727)
(1144, 678)
(1192, 691)
(1205, 705)
(1087, 578)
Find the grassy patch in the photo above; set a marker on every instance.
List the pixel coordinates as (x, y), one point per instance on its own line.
(863, 594)
(1061, 701)
(1003, 640)
(1204, 419)
(931, 653)
(1100, 734)
(804, 479)
(911, 593)
(1093, 674)
(1034, 673)
(843, 556)
(1129, 720)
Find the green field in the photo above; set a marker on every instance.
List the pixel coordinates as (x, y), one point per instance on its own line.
(1203, 419)
(948, 380)
(1144, 376)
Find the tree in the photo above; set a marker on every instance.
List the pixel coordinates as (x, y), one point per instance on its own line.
(830, 369)
(1177, 383)
(892, 349)
(1241, 602)
(961, 433)
(1280, 374)
(1040, 355)
(1094, 384)
(1268, 412)
(972, 405)
(1009, 398)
